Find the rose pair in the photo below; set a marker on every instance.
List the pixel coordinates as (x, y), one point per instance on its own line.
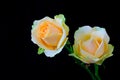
(90, 44)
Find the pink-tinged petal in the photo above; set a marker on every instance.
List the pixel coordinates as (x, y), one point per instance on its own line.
(87, 57)
(90, 46)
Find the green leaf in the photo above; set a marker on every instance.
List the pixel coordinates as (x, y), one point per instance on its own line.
(69, 47)
(40, 50)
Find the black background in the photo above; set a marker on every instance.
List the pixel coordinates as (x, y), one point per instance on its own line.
(23, 61)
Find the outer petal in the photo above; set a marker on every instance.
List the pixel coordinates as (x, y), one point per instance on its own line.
(76, 48)
(60, 19)
(82, 32)
(106, 55)
(52, 53)
(62, 38)
(82, 55)
(86, 59)
(35, 23)
(100, 32)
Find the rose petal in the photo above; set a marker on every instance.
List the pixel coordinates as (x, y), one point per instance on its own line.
(88, 58)
(37, 23)
(76, 48)
(106, 54)
(53, 36)
(90, 46)
(61, 21)
(60, 18)
(52, 53)
(62, 39)
(82, 32)
(101, 33)
(100, 50)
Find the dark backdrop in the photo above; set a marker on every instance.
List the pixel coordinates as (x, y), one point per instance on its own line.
(24, 61)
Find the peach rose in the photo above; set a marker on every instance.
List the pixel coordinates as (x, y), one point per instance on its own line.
(50, 34)
(91, 45)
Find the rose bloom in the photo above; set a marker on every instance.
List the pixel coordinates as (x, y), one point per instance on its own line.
(91, 45)
(50, 34)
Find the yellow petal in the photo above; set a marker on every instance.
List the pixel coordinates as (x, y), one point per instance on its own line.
(100, 50)
(106, 55)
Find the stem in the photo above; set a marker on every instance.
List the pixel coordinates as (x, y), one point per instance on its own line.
(97, 72)
(69, 50)
(88, 70)
(69, 47)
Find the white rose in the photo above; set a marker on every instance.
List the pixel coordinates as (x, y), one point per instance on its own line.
(91, 45)
(50, 34)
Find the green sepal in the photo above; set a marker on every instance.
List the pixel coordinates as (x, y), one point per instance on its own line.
(40, 50)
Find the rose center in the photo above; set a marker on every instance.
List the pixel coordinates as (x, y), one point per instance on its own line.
(50, 33)
(91, 45)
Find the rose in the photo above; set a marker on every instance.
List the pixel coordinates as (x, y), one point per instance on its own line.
(91, 45)
(50, 34)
